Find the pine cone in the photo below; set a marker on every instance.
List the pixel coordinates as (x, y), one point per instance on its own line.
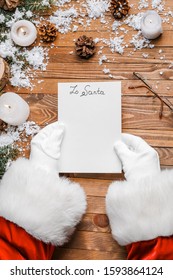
(3, 125)
(4, 73)
(9, 4)
(85, 46)
(47, 32)
(119, 8)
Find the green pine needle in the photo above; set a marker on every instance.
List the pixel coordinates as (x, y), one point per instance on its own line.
(36, 5)
(7, 153)
(25, 5)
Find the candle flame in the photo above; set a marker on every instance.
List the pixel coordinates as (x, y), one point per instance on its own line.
(23, 31)
(7, 106)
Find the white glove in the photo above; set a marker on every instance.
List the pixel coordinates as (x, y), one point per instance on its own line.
(45, 147)
(137, 157)
(35, 198)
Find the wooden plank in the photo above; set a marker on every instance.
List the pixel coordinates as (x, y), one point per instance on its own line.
(61, 55)
(93, 241)
(64, 55)
(140, 116)
(143, 113)
(49, 86)
(88, 67)
(93, 187)
(155, 138)
(43, 108)
(166, 161)
(79, 254)
(137, 112)
(96, 25)
(94, 223)
(118, 71)
(69, 38)
(96, 205)
(166, 156)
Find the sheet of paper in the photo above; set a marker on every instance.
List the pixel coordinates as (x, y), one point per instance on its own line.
(91, 113)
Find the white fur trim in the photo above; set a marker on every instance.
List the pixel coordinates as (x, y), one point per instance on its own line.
(46, 206)
(141, 210)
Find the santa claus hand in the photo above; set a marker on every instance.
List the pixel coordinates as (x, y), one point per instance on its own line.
(137, 157)
(45, 147)
(32, 195)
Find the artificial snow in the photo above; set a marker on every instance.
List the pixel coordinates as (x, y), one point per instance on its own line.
(7, 49)
(63, 19)
(106, 70)
(143, 4)
(75, 28)
(115, 25)
(19, 77)
(157, 4)
(69, 18)
(17, 15)
(139, 42)
(45, 3)
(134, 21)
(101, 59)
(2, 18)
(97, 8)
(145, 55)
(60, 3)
(29, 14)
(36, 57)
(16, 134)
(116, 44)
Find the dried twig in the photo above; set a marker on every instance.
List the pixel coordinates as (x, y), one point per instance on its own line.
(167, 102)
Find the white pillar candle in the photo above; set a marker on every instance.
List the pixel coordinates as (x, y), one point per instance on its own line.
(13, 109)
(23, 33)
(151, 25)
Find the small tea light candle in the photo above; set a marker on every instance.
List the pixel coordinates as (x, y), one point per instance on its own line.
(13, 109)
(23, 33)
(151, 25)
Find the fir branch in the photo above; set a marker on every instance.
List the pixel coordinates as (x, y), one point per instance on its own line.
(36, 5)
(7, 153)
(2, 37)
(7, 14)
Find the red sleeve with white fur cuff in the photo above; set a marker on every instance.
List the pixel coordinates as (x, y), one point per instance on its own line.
(141, 210)
(46, 206)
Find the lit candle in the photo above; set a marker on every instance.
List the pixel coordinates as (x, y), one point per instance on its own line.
(13, 109)
(23, 33)
(151, 25)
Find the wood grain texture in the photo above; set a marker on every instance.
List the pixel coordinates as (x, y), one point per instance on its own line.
(97, 241)
(80, 254)
(140, 115)
(163, 88)
(139, 112)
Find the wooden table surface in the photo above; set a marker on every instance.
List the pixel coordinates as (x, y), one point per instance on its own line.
(140, 115)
